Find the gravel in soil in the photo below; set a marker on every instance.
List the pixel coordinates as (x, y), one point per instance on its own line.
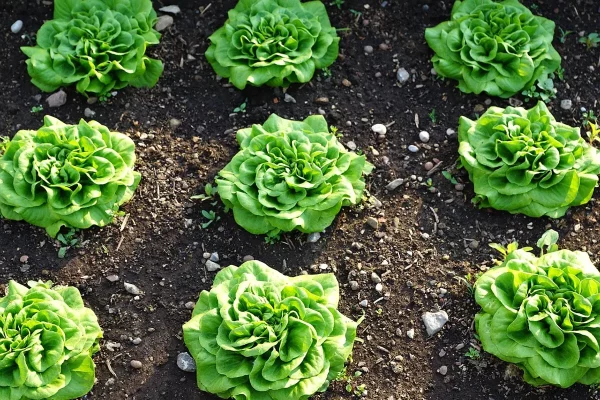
(397, 257)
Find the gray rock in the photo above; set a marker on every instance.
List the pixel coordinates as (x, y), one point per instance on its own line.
(434, 321)
(57, 99)
(212, 266)
(364, 303)
(136, 364)
(313, 237)
(175, 123)
(136, 341)
(450, 132)
(402, 75)
(247, 258)
(375, 278)
(351, 145)
(474, 244)
(394, 184)
(379, 129)
(17, 26)
(354, 285)
(190, 305)
(185, 362)
(443, 370)
(289, 99)
(132, 289)
(214, 257)
(566, 104)
(170, 9)
(412, 148)
(372, 222)
(89, 113)
(368, 49)
(163, 22)
(112, 278)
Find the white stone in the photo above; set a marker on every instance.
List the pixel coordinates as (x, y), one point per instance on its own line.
(379, 129)
(412, 148)
(132, 289)
(424, 136)
(17, 26)
(313, 237)
(163, 22)
(212, 266)
(434, 322)
(394, 184)
(170, 9)
(402, 75)
(566, 104)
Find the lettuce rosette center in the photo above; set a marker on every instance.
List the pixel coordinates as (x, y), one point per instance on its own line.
(290, 175)
(98, 45)
(523, 161)
(273, 42)
(541, 313)
(47, 339)
(496, 47)
(259, 334)
(66, 175)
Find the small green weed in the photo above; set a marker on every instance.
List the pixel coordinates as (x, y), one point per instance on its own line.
(473, 353)
(211, 216)
(563, 35)
(337, 3)
(544, 90)
(241, 108)
(67, 241)
(37, 109)
(591, 41)
(448, 175)
(433, 117)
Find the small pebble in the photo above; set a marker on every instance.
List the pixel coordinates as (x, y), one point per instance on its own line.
(443, 370)
(379, 287)
(428, 166)
(346, 82)
(185, 362)
(375, 278)
(351, 145)
(136, 341)
(384, 47)
(379, 129)
(212, 266)
(372, 222)
(57, 99)
(402, 75)
(17, 26)
(354, 285)
(368, 49)
(214, 257)
(410, 333)
(163, 22)
(566, 104)
(459, 187)
(136, 364)
(247, 258)
(132, 289)
(174, 123)
(190, 305)
(89, 113)
(450, 132)
(289, 99)
(424, 136)
(394, 184)
(412, 148)
(364, 303)
(112, 278)
(313, 237)
(170, 9)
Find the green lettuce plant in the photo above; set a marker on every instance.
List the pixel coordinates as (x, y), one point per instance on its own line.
(500, 48)
(290, 175)
(47, 339)
(99, 45)
(66, 175)
(261, 335)
(543, 313)
(273, 42)
(524, 162)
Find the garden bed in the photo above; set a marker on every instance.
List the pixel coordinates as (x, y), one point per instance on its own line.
(185, 128)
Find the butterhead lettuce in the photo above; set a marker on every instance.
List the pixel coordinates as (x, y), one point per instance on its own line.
(47, 340)
(66, 175)
(290, 175)
(261, 335)
(273, 42)
(525, 162)
(500, 48)
(542, 314)
(98, 45)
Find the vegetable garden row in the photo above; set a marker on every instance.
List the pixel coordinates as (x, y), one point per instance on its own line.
(261, 334)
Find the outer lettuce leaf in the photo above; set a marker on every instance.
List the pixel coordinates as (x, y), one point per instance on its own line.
(540, 313)
(98, 45)
(524, 162)
(273, 42)
(66, 175)
(500, 48)
(261, 335)
(47, 341)
(290, 175)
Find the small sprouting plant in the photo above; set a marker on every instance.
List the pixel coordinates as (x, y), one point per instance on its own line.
(241, 108)
(348, 379)
(337, 3)
(103, 98)
(448, 175)
(335, 131)
(544, 90)
(563, 35)
(433, 117)
(327, 72)
(473, 353)
(592, 40)
(211, 216)
(36, 109)
(560, 73)
(588, 117)
(210, 192)
(356, 13)
(66, 241)
(593, 133)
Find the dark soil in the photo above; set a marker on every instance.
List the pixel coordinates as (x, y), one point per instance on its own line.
(423, 243)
